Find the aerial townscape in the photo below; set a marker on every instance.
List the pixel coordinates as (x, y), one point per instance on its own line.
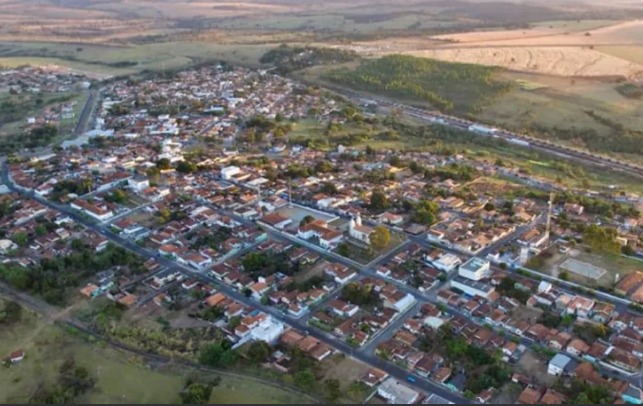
(316, 213)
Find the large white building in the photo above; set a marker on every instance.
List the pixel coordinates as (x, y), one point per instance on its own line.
(397, 393)
(472, 287)
(475, 269)
(268, 330)
(229, 171)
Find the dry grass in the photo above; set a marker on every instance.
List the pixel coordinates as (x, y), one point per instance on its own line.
(585, 50)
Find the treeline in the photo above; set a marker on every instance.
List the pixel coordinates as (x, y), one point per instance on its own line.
(288, 59)
(448, 86)
(54, 276)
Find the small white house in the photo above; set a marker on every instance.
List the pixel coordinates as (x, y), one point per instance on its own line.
(558, 365)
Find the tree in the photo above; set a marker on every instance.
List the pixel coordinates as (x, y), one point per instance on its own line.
(218, 356)
(379, 201)
(332, 389)
(305, 379)
(259, 352)
(163, 164)
(627, 250)
(186, 167)
(41, 230)
(380, 237)
(20, 238)
(11, 312)
(306, 220)
(323, 167)
(329, 188)
(196, 394)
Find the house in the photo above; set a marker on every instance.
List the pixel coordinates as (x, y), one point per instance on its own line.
(580, 306)
(16, 356)
(577, 347)
(529, 396)
(397, 393)
(559, 365)
(390, 218)
(374, 377)
(342, 308)
(551, 397)
(276, 220)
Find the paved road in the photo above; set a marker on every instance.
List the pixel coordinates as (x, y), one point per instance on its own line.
(393, 370)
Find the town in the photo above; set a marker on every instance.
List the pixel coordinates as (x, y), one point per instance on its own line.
(448, 278)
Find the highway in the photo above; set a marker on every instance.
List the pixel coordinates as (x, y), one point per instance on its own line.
(435, 117)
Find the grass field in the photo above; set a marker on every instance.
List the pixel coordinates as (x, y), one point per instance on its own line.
(616, 266)
(111, 60)
(121, 377)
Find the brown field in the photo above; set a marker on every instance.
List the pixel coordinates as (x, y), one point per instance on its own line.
(579, 49)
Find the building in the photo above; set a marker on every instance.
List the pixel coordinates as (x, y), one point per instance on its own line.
(475, 269)
(276, 220)
(473, 288)
(138, 184)
(559, 365)
(359, 231)
(267, 330)
(100, 213)
(328, 238)
(229, 172)
(447, 262)
(397, 393)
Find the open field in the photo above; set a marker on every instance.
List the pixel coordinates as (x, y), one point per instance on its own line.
(615, 266)
(124, 60)
(565, 49)
(121, 377)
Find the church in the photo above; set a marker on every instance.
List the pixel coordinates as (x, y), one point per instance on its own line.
(359, 231)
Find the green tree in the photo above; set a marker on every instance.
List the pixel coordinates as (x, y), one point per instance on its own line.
(305, 379)
(379, 201)
(380, 237)
(259, 352)
(196, 394)
(306, 220)
(163, 164)
(332, 389)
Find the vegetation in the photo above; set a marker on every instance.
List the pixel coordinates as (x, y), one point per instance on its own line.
(425, 212)
(601, 239)
(380, 238)
(360, 295)
(447, 86)
(508, 288)
(218, 355)
(287, 59)
(73, 381)
(53, 276)
(10, 313)
(630, 90)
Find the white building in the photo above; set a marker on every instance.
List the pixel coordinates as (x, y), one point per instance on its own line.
(138, 184)
(404, 303)
(397, 393)
(229, 171)
(558, 364)
(358, 231)
(471, 287)
(447, 262)
(475, 269)
(267, 330)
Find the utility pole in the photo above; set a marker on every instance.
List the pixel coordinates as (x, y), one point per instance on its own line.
(549, 211)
